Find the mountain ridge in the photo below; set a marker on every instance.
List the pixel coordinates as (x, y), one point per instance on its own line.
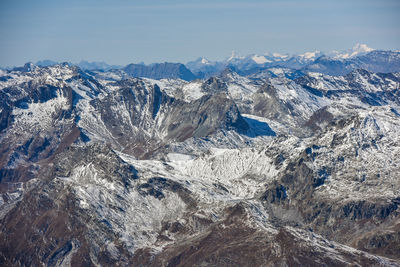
(332, 63)
(98, 167)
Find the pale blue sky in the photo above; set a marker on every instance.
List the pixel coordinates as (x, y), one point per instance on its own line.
(122, 32)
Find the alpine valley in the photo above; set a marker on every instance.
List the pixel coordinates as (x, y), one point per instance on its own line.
(264, 160)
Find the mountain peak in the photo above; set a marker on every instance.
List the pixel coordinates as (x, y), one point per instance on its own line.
(204, 61)
(357, 50)
(278, 55)
(29, 66)
(362, 48)
(260, 59)
(234, 55)
(310, 55)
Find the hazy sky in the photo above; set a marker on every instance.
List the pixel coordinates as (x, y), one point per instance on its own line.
(122, 32)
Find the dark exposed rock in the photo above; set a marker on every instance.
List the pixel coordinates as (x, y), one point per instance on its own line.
(284, 248)
(205, 116)
(319, 117)
(275, 193)
(160, 71)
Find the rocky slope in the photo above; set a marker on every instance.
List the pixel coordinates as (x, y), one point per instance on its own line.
(98, 168)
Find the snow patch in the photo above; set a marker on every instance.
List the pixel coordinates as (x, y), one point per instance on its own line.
(260, 59)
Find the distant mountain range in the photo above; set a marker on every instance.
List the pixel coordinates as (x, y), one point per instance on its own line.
(84, 65)
(267, 65)
(332, 63)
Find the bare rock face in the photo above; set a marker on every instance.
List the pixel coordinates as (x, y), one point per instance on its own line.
(243, 244)
(204, 117)
(98, 168)
(268, 104)
(160, 71)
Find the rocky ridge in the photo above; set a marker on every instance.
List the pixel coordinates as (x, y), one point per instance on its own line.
(98, 168)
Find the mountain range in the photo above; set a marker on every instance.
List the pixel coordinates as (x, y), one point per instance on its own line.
(332, 63)
(292, 66)
(256, 164)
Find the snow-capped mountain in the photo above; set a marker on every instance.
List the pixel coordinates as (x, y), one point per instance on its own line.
(331, 63)
(101, 168)
(310, 55)
(267, 64)
(376, 61)
(203, 67)
(357, 50)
